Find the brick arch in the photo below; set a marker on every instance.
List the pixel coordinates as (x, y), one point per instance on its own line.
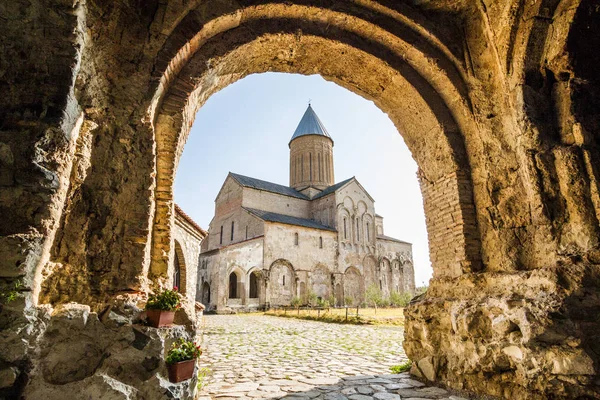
(366, 65)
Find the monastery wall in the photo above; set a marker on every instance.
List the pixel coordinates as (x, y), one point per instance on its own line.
(186, 244)
(240, 258)
(323, 211)
(276, 203)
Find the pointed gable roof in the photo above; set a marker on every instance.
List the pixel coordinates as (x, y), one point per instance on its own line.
(259, 184)
(310, 124)
(334, 188)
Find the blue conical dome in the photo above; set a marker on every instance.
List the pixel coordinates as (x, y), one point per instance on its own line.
(310, 124)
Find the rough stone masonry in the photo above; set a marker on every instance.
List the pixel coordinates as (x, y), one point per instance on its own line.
(498, 102)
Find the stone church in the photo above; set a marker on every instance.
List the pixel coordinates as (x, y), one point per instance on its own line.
(269, 243)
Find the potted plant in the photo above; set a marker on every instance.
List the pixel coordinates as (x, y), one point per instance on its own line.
(181, 360)
(161, 307)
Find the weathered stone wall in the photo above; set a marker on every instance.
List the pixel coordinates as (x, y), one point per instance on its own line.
(188, 240)
(240, 258)
(500, 98)
(272, 202)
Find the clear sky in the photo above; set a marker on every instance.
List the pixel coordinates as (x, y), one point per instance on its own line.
(245, 128)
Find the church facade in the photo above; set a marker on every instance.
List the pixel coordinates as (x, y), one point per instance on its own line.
(268, 243)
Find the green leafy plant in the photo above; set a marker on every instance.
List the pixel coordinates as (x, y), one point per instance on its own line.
(10, 293)
(311, 298)
(183, 350)
(348, 301)
(202, 374)
(167, 300)
(322, 302)
(331, 300)
(404, 367)
(400, 299)
(374, 296)
(295, 302)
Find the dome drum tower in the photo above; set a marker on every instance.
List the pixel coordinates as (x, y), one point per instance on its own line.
(311, 155)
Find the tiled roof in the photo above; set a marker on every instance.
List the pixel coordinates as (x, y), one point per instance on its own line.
(332, 188)
(310, 124)
(189, 220)
(391, 239)
(267, 186)
(287, 219)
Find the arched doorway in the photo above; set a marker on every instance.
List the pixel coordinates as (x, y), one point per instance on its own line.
(205, 293)
(233, 286)
(254, 285)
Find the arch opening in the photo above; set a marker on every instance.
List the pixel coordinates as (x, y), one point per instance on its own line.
(444, 167)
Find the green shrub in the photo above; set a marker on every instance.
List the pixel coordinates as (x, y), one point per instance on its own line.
(348, 301)
(295, 302)
(183, 350)
(404, 367)
(322, 302)
(10, 293)
(168, 300)
(331, 300)
(400, 299)
(374, 296)
(311, 298)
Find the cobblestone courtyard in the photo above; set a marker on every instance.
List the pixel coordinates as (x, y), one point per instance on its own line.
(255, 356)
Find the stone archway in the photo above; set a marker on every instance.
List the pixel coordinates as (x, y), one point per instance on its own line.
(354, 287)
(205, 290)
(496, 101)
(232, 286)
(282, 283)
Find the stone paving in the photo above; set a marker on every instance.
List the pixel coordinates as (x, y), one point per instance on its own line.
(264, 357)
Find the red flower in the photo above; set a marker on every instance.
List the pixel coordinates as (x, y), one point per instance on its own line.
(175, 288)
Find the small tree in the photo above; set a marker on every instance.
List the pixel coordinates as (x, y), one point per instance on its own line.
(348, 300)
(332, 300)
(295, 302)
(311, 298)
(374, 296)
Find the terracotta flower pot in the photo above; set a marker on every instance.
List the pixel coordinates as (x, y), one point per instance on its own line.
(181, 371)
(158, 318)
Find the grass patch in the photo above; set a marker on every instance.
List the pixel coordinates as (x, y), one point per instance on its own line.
(404, 367)
(366, 316)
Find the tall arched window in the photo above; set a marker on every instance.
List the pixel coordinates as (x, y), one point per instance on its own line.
(296, 238)
(232, 228)
(233, 289)
(221, 236)
(310, 166)
(357, 230)
(321, 242)
(176, 272)
(368, 233)
(253, 285)
(345, 229)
